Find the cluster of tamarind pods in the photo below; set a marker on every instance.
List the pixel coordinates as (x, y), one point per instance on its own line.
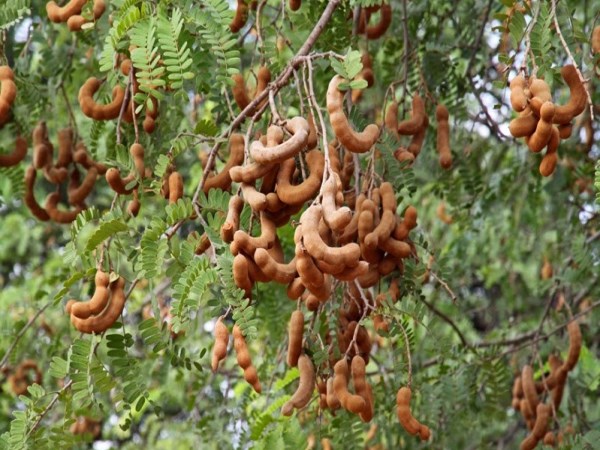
(20, 378)
(541, 122)
(527, 393)
(71, 13)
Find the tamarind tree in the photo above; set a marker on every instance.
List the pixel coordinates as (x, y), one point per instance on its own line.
(299, 224)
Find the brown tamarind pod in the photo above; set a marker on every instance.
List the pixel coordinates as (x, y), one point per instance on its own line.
(518, 97)
(548, 164)
(391, 118)
(295, 333)
(366, 224)
(385, 19)
(219, 351)
(298, 194)
(8, 92)
(19, 381)
(82, 157)
(565, 131)
(361, 387)
(104, 320)
(410, 217)
(279, 272)
(243, 241)
(118, 184)
(351, 273)
(524, 125)
(175, 187)
(416, 143)
(313, 137)
(133, 207)
(241, 276)
(410, 127)
(387, 224)
(239, 88)
(55, 175)
(544, 129)
(295, 289)
(303, 393)
(558, 374)
(335, 218)
(137, 154)
(351, 231)
(517, 390)
(232, 220)
(42, 147)
(257, 200)
(578, 100)
(250, 173)
(76, 22)
(350, 139)
(97, 303)
(574, 345)
(529, 390)
(295, 4)
(549, 439)
(17, 155)
(333, 402)
(243, 359)
(56, 214)
(539, 428)
(79, 194)
(236, 157)
(443, 137)
(309, 273)
(405, 417)
(58, 14)
(351, 402)
(595, 41)
(240, 18)
(94, 110)
(298, 126)
(30, 201)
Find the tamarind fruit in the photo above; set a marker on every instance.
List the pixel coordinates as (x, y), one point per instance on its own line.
(353, 141)
(257, 200)
(385, 19)
(335, 218)
(94, 110)
(65, 147)
(232, 220)
(175, 187)
(295, 333)
(55, 175)
(279, 272)
(524, 125)
(97, 303)
(549, 439)
(351, 402)
(58, 14)
(595, 41)
(387, 223)
(42, 147)
(529, 390)
(17, 155)
(390, 119)
(105, 319)
(241, 277)
(365, 74)
(57, 215)
(76, 22)
(300, 193)
(539, 428)
(219, 351)
(416, 142)
(518, 98)
(366, 224)
(559, 373)
(239, 20)
(86, 425)
(298, 126)
(303, 393)
(543, 131)
(443, 136)
(82, 157)
(30, 201)
(405, 417)
(8, 92)
(578, 100)
(295, 289)
(250, 173)
(236, 157)
(295, 4)
(243, 241)
(19, 381)
(79, 194)
(133, 208)
(243, 359)
(137, 154)
(361, 387)
(410, 127)
(574, 345)
(333, 402)
(118, 184)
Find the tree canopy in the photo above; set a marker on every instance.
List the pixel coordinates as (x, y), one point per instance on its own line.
(295, 224)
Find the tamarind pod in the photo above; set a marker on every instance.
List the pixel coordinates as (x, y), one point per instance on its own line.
(595, 41)
(544, 129)
(367, 75)
(334, 160)
(313, 138)
(137, 154)
(256, 199)
(410, 217)
(361, 387)
(243, 359)
(385, 19)
(365, 227)
(281, 273)
(91, 109)
(371, 278)
(241, 277)
(527, 412)
(219, 351)
(239, 88)
(517, 390)
(416, 142)
(303, 393)
(351, 231)
(175, 187)
(539, 428)
(387, 265)
(391, 118)
(574, 345)
(309, 273)
(232, 220)
(295, 334)
(538, 88)
(333, 402)
(398, 249)
(401, 154)
(17, 155)
(42, 148)
(59, 14)
(8, 92)
(351, 273)
(548, 164)
(549, 439)
(336, 218)
(565, 131)
(578, 100)
(97, 303)
(295, 4)
(558, 373)
(133, 208)
(298, 194)
(118, 184)
(295, 289)
(254, 272)
(78, 195)
(518, 98)
(405, 417)
(353, 141)
(410, 127)
(105, 319)
(351, 402)
(382, 231)
(516, 404)
(363, 342)
(55, 175)
(282, 217)
(524, 125)
(298, 126)
(529, 390)
(266, 239)
(203, 245)
(249, 173)
(82, 157)
(443, 136)
(239, 20)
(57, 215)
(30, 201)
(236, 157)
(274, 203)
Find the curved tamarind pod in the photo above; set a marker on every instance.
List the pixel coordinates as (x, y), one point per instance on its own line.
(57, 215)
(254, 272)
(295, 332)
(239, 88)
(543, 131)
(298, 126)
(410, 217)
(118, 184)
(558, 373)
(94, 110)
(263, 78)
(8, 92)
(524, 125)
(565, 131)
(295, 289)
(97, 303)
(351, 402)
(59, 14)
(78, 195)
(538, 88)
(361, 387)
(517, 390)
(309, 273)
(410, 127)
(76, 22)
(351, 230)
(243, 241)
(302, 396)
(295, 4)
(578, 100)
(387, 224)
(385, 19)
(518, 98)
(298, 194)
(391, 118)
(365, 227)
(529, 390)
(313, 137)
(595, 41)
(103, 321)
(137, 154)
(55, 175)
(574, 345)
(443, 136)
(351, 273)
(219, 351)
(363, 342)
(350, 139)
(236, 157)
(281, 273)
(387, 265)
(539, 428)
(149, 123)
(81, 156)
(416, 143)
(133, 208)
(17, 155)
(333, 402)
(232, 221)
(335, 218)
(347, 255)
(65, 147)
(249, 173)
(240, 274)
(550, 159)
(243, 358)
(30, 200)
(42, 147)
(405, 417)
(549, 439)
(371, 278)
(240, 18)
(399, 249)
(175, 187)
